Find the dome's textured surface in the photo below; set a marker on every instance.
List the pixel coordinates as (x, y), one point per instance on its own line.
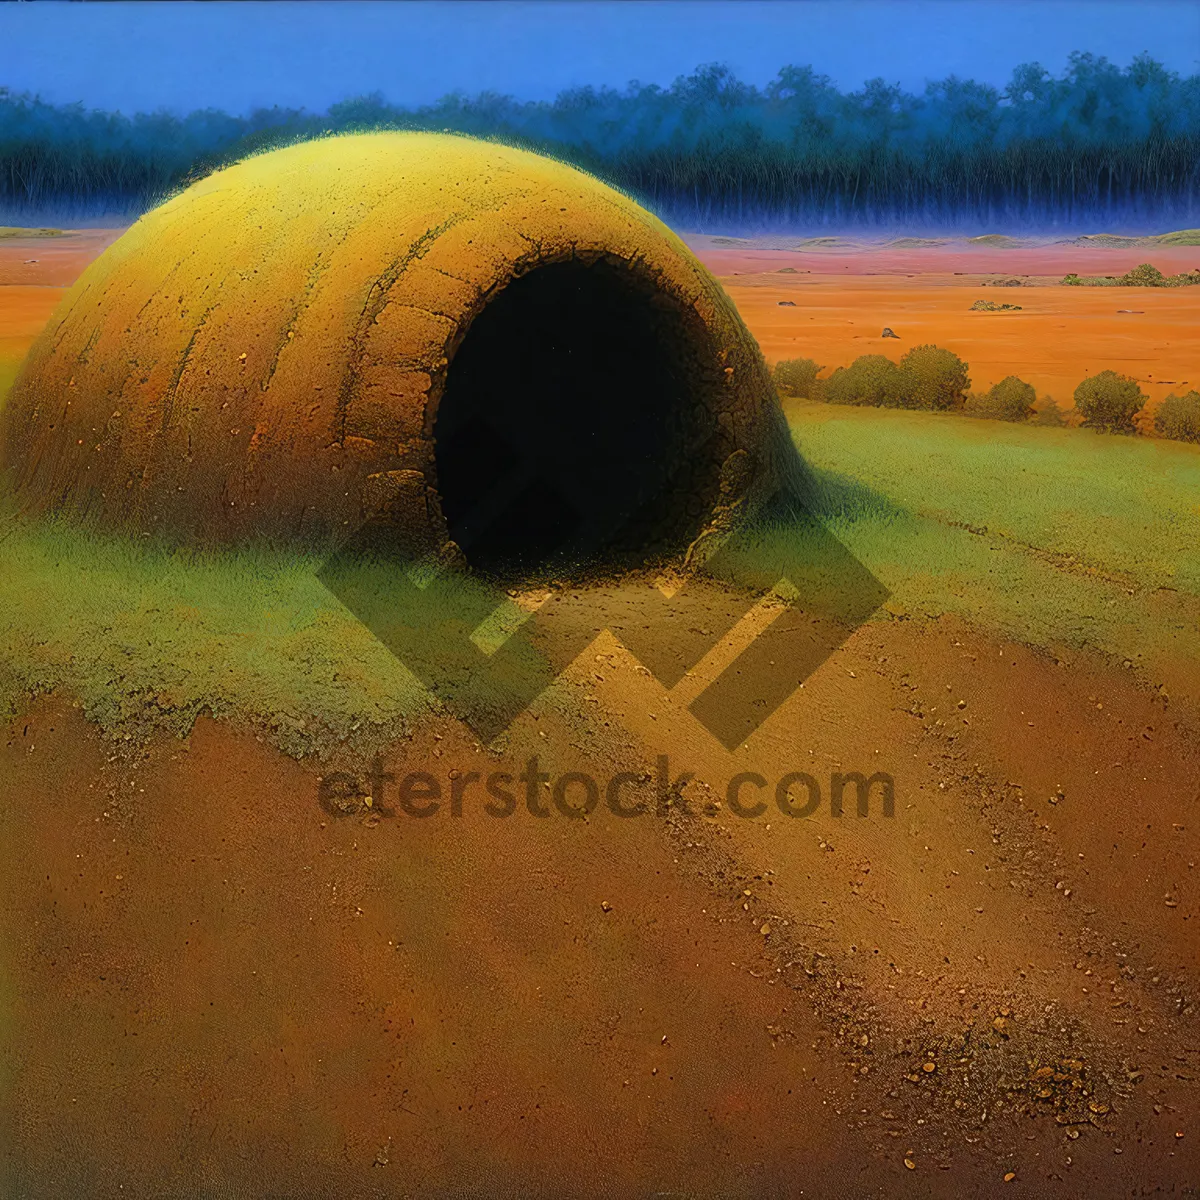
(265, 353)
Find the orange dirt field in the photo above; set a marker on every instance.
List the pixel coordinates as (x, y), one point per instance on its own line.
(34, 276)
(844, 298)
(217, 988)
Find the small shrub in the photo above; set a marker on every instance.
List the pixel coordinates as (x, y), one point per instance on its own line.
(1144, 275)
(1110, 402)
(1049, 413)
(992, 306)
(935, 379)
(1178, 417)
(795, 377)
(1009, 400)
(869, 379)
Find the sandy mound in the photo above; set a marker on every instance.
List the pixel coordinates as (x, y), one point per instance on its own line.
(273, 351)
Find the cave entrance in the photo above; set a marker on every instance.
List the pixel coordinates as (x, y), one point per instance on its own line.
(573, 427)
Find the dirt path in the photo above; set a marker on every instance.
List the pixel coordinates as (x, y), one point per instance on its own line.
(219, 981)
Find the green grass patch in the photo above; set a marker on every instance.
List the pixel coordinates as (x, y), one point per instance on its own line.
(1050, 536)
(16, 231)
(145, 637)
(8, 372)
(1181, 237)
(1053, 537)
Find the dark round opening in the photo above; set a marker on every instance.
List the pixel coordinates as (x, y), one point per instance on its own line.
(573, 427)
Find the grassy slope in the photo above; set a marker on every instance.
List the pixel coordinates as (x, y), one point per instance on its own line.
(1054, 537)
(8, 372)
(141, 636)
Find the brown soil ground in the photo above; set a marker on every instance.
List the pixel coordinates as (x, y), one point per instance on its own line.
(216, 988)
(214, 982)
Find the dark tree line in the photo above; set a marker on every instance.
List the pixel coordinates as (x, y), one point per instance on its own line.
(710, 152)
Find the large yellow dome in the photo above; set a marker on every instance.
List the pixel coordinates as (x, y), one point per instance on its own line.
(273, 352)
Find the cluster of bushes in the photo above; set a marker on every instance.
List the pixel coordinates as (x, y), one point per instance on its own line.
(1111, 403)
(711, 151)
(1145, 275)
(927, 377)
(936, 380)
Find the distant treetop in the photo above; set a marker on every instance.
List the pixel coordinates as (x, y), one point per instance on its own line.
(712, 152)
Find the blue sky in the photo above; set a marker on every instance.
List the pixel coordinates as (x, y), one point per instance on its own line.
(180, 56)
